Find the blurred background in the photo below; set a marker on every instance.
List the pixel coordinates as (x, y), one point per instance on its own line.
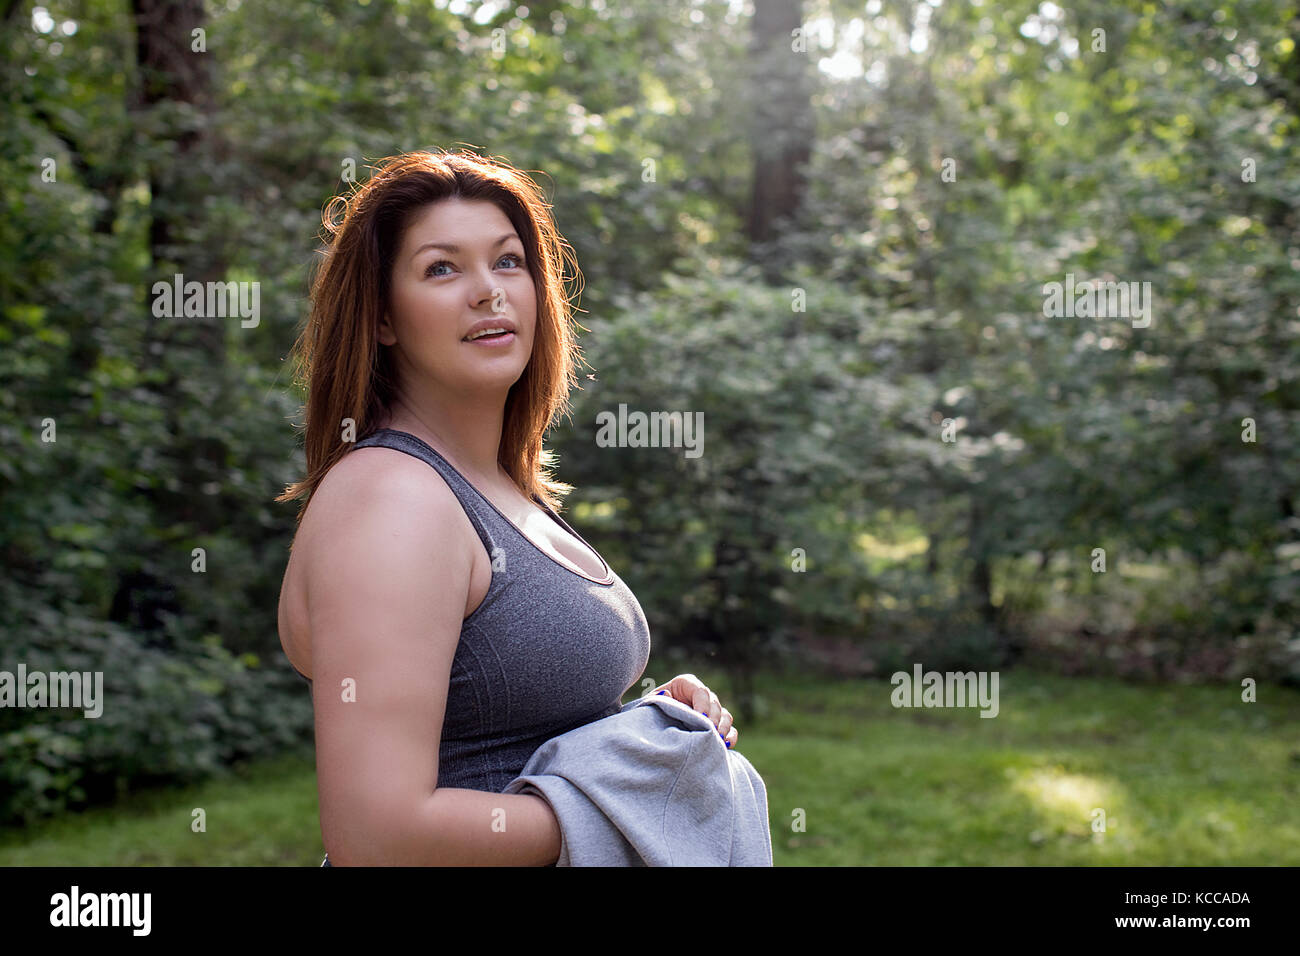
(827, 226)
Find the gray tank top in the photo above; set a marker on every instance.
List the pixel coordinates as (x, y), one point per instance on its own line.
(548, 649)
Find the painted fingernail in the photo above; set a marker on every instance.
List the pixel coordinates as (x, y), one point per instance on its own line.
(662, 692)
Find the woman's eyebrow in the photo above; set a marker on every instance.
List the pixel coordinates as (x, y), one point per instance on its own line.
(454, 249)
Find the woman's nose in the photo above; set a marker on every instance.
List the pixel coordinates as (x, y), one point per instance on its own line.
(494, 295)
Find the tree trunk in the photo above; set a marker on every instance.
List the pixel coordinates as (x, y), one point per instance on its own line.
(175, 94)
(981, 578)
(174, 103)
(782, 129)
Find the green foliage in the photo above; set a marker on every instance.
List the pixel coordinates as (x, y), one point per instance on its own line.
(174, 707)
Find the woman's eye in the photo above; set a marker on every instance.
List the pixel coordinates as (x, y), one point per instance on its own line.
(519, 260)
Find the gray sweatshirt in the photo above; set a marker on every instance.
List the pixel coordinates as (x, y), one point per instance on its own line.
(652, 785)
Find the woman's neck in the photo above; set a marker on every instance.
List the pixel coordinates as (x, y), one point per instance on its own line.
(470, 441)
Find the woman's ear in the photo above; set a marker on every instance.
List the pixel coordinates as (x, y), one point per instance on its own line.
(386, 334)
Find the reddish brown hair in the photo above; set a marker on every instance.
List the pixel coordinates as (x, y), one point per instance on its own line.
(349, 374)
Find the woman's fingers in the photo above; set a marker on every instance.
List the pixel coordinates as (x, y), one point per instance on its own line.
(724, 723)
(706, 702)
(689, 689)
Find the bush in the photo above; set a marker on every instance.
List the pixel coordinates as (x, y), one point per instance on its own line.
(175, 709)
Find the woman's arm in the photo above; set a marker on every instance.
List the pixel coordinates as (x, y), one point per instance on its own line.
(386, 594)
(491, 829)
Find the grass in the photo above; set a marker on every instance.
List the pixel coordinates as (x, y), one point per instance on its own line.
(264, 814)
(1186, 775)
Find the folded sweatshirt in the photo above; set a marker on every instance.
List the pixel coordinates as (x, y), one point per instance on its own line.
(651, 785)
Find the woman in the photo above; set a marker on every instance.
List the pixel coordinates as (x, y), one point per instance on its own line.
(451, 620)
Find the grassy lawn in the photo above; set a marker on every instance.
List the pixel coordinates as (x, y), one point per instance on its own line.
(1186, 775)
(262, 815)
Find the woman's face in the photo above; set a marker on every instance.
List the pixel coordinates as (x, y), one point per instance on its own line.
(460, 263)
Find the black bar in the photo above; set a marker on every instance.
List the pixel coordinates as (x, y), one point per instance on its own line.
(218, 905)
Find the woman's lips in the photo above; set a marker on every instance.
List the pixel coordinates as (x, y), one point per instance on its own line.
(493, 341)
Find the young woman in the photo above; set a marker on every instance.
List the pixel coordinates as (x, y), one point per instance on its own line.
(448, 619)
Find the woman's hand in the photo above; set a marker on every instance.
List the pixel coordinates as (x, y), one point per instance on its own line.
(690, 690)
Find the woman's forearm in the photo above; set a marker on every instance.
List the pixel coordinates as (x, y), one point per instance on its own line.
(456, 827)
(474, 828)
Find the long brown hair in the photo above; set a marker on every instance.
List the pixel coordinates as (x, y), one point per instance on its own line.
(349, 374)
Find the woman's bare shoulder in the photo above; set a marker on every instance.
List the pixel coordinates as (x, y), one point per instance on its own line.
(366, 482)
